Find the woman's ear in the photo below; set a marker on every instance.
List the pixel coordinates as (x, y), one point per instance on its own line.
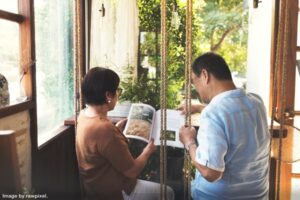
(108, 96)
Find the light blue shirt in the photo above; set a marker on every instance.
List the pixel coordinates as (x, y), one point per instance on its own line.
(233, 138)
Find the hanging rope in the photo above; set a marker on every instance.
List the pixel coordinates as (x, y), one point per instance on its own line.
(188, 62)
(163, 116)
(187, 160)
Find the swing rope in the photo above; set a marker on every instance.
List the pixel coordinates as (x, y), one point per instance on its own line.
(188, 60)
(163, 115)
(163, 146)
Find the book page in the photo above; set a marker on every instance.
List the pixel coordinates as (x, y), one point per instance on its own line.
(120, 110)
(174, 122)
(140, 122)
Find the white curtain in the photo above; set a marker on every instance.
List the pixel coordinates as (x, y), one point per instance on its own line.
(114, 37)
(102, 37)
(127, 33)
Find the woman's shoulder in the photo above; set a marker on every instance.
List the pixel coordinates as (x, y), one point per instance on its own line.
(106, 124)
(95, 124)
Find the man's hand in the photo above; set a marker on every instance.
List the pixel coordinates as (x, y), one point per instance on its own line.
(195, 108)
(187, 135)
(121, 124)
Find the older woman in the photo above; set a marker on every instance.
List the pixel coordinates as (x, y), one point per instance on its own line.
(107, 168)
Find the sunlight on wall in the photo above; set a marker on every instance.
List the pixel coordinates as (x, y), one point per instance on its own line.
(259, 50)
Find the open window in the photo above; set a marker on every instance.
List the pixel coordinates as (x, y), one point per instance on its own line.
(16, 54)
(54, 37)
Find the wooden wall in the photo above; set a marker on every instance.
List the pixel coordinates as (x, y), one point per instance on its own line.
(56, 171)
(20, 124)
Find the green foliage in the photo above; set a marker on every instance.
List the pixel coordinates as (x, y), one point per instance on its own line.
(218, 25)
(223, 27)
(148, 91)
(139, 90)
(149, 14)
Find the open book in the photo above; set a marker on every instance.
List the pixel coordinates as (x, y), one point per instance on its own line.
(144, 123)
(121, 110)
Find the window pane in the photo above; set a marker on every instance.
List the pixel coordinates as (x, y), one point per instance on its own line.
(9, 5)
(9, 57)
(150, 63)
(54, 67)
(149, 43)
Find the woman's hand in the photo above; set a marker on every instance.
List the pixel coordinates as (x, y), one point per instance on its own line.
(141, 161)
(150, 148)
(121, 124)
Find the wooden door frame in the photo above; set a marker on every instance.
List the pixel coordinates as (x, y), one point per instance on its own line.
(289, 86)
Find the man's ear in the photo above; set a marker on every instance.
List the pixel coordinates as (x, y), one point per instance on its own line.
(206, 76)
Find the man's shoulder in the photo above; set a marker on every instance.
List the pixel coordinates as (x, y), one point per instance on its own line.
(254, 96)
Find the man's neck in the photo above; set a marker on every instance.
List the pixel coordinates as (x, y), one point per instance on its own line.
(220, 87)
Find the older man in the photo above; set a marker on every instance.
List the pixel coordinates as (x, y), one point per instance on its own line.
(231, 149)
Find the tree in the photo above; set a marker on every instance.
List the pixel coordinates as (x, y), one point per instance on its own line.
(222, 28)
(218, 25)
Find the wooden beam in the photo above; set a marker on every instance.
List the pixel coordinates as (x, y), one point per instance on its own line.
(295, 175)
(27, 46)
(11, 16)
(275, 19)
(56, 172)
(286, 94)
(16, 108)
(27, 57)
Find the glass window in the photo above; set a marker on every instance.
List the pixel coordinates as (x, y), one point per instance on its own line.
(150, 53)
(9, 5)
(9, 56)
(54, 63)
(150, 63)
(149, 43)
